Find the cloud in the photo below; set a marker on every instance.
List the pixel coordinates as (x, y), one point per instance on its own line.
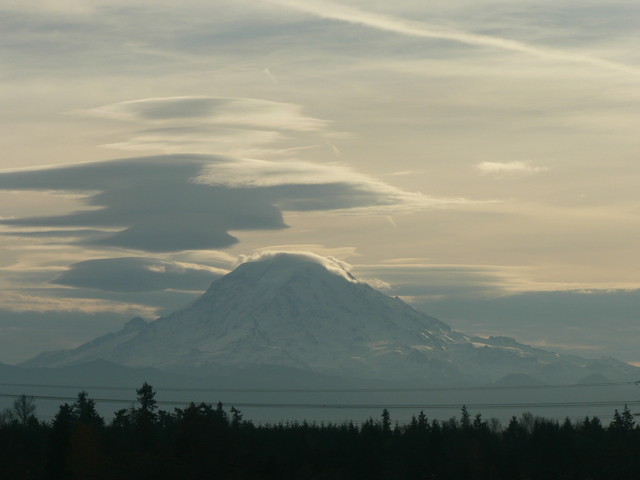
(568, 321)
(422, 282)
(503, 300)
(241, 127)
(509, 168)
(230, 111)
(189, 202)
(19, 302)
(211, 258)
(309, 186)
(260, 173)
(66, 7)
(318, 249)
(334, 265)
(152, 200)
(228, 141)
(136, 274)
(329, 186)
(336, 11)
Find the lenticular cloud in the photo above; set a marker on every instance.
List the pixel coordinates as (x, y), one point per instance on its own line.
(191, 202)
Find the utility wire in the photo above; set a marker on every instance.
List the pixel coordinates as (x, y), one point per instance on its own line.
(327, 390)
(355, 406)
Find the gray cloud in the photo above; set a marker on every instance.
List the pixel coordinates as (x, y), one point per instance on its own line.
(136, 274)
(153, 201)
(189, 202)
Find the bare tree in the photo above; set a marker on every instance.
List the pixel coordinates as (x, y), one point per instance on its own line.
(24, 409)
(6, 416)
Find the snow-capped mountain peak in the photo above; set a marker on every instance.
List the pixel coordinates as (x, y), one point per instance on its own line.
(307, 312)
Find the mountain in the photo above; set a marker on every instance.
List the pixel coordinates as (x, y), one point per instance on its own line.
(308, 314)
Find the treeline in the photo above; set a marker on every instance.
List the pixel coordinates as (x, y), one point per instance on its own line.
(202, 441)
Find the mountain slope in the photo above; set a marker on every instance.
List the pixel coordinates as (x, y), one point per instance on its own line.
(308, 313)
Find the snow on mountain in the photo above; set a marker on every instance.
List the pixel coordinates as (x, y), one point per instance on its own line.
(309, 313)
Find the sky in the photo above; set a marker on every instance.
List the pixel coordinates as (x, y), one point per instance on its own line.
(477, 158)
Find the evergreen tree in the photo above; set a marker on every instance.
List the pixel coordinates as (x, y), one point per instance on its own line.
(465, 418)
(386, 421)
(623, 422)
(146, 412)
(76, 435)
(122, 419)
(423, 421)
(60, 446)
(236, 417)
(478, 423)
(84, 409)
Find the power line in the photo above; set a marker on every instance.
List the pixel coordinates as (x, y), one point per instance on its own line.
(354, 406)
(327, 390)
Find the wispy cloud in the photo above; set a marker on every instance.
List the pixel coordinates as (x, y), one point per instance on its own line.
(17, 302)
(420, 281)
(231, 111)
(220, 140)
(515, 168)
(246, 127)
(336, 11)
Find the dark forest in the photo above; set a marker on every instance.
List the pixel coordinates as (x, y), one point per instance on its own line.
(203, 441)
